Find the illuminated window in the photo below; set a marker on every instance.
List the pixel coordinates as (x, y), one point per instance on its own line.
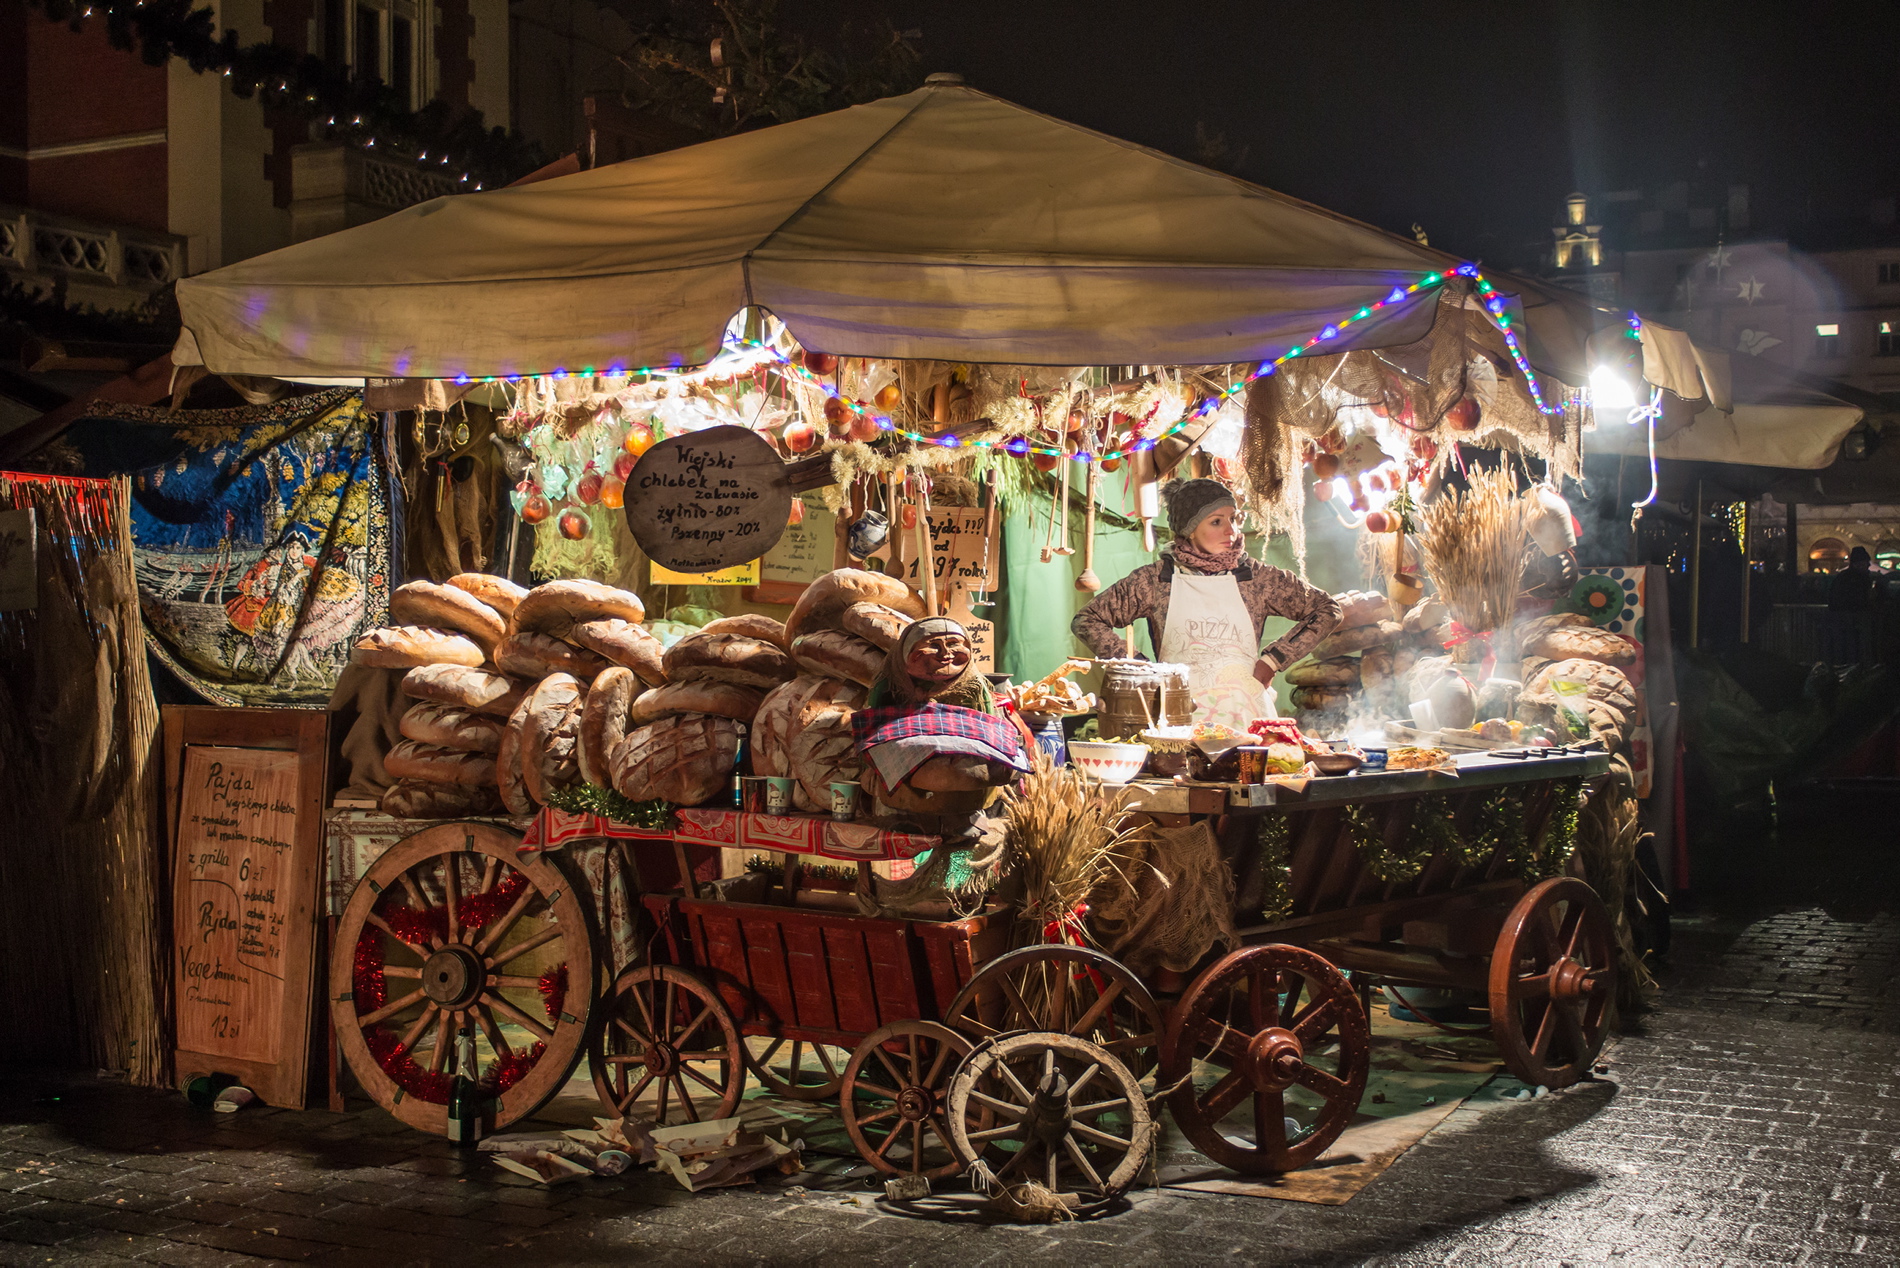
(1827, 339)
(1886, 340)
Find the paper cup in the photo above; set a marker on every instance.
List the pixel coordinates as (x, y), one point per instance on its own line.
(778, 795)
(844, 800)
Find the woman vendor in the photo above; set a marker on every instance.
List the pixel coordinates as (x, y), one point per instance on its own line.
(1206, 603)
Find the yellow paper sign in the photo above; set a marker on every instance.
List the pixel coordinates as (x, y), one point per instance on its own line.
(746, 574)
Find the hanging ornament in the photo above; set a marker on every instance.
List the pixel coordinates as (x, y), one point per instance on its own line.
(819, 362)
(797, 516)
(888, 396)
(638, 440)
(837, 417)
(799, 436)
(1325, 465)
(573, 524)
(536, 508)
(864, 429)
(613, 493)
(587, 488)
(623, 465)
(1464, 415)
(553, 480)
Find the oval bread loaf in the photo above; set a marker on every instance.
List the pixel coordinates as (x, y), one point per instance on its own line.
(783, 712)
(555, 607)
(411, 646)
(446, 608)
(1319, 698)
(1341, 671)
(498, 593)
(720, 699)
(839, 655)
(1341, 642)
(482, 690)
(548, 735)
(822, 605)
(876, 624)
(604, 722)
(437, 765)
(734, 658)
(683, 759)
(1586, 643)
(752, 625)
(530, 655)
(508, 781)
(417, 799)
(625, 643)
(1363, 607)
(451, 726)
(823, 751)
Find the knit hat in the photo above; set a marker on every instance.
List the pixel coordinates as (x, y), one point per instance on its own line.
(1191, 501)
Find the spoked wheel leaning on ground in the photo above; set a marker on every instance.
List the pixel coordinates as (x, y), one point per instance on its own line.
(894, 1099)
(452, 927)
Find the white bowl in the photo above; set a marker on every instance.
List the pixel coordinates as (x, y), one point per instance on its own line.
(1110, 763)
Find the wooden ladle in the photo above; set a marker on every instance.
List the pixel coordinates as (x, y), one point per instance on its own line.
(1088, 581)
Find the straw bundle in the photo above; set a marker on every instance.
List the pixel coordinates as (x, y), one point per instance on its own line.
(79, 800)
(1473, 546)
(1063, 841)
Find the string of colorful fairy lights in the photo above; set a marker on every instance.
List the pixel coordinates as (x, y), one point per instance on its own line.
(1494, 303)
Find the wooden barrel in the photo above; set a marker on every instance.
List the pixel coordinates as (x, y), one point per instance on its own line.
(1139, 694)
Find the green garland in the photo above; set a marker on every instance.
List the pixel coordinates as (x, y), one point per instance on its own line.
(347, 107)
(1560, 841)
(1276, 865)
(1387, 863)
(590, 799)
(1500, 829)
(1435, 825)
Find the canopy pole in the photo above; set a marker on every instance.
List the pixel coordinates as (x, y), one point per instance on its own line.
(1695, 575)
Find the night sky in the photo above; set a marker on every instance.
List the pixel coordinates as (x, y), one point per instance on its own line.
(1474, 120)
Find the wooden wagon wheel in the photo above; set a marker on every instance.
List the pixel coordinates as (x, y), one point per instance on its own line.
(667, 1049)
(1278, 1025)
(893, 1098)
(1553, 975)
(451, 928)
(801, 1069)
(1068, 1115)
(1068, 990)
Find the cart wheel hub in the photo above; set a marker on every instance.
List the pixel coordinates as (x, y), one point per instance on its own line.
(914, 1104)
(452, 977)
(1569, 980)
(661, 1059)
(1277, 1056)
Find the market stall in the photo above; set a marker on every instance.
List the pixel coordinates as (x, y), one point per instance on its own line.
(815, 426)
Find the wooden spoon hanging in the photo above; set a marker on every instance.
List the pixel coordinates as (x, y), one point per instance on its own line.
(1088, 581)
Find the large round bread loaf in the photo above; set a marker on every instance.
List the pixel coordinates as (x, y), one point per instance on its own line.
(1320, 698)
(410, 646)
(436, 765)
(1583, 643)
(451, 726)
(1342, 671)
(549, 734)
(753, 625)
(876, 624)
(530, 655)
(784, 710)
(482, 690)
(604, 722)
(822, 605)
(734, 658)
(721, 699)
(1343, 642)
(683, 759)
(839, 655)
(556, 607)
(508, 781)
(416, 799)
(821, 752)
(625, 643)
(498, 593)
(1363, 607)
(446, 608)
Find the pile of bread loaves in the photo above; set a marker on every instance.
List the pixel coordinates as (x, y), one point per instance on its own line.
(1355, 674)
(1568, 647)
(520, 692)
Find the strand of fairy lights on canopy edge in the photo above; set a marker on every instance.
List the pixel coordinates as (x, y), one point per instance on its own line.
(1494, 305)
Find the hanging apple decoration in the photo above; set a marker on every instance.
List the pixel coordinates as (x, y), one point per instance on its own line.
(536, 509)
(820, 362)
(1332, 442)
(1424, 448)
(623, 466)
(587, 488)
(1326, 465)
(613, 493)
(1111, 464)
(863, 428)
(1045, 462)
(1323, 490)
(799, 437)
(837, 416)
(573, 524)
(888, 396)
(638, 440)
(908, 516)
(1378, 522)
(1464, 415)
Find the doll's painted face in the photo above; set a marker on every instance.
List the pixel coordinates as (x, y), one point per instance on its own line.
(939, 660)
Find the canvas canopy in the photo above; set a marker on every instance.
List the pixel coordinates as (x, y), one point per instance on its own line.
(944, 224)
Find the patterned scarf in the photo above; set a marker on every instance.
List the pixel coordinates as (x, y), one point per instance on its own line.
(1188, 555)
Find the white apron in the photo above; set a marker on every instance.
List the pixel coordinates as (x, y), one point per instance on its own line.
(1211, 632)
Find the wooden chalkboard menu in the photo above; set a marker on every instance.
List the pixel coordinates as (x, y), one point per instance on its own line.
(709, 499)
(959, 552)
(245, 788)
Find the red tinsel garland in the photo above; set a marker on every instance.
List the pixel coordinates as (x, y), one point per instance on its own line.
(370, 991)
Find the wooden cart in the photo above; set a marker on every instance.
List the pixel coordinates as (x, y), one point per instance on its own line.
(943, 1046)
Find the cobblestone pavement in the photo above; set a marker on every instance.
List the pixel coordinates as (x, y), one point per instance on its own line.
(1754, 1119)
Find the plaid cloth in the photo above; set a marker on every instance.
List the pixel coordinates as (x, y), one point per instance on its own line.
(887, 723)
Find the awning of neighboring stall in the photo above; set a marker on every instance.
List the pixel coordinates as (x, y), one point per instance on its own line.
(944, 224)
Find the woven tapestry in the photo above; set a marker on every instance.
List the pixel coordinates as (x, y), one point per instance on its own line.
(262, 538)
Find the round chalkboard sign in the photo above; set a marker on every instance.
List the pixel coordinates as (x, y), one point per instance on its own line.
(708, 499)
